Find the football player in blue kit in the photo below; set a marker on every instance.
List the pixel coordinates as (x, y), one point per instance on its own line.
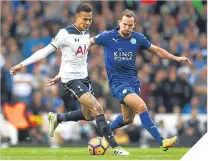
(120, 51)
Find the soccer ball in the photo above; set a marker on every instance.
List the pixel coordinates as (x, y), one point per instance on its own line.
(97, 146)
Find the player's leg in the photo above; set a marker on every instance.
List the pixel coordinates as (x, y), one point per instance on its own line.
(73, 89)
(80, 114)
(81, 91)
(120, 90)
(88, 100)
(88, 114)
(92, 106)
(139, 106)
(69, 103)
(55, 119)
(126, 118)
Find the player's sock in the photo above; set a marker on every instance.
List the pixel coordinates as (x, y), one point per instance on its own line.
(71, 116)
(117, 123)
(104, 128)
(150, 126)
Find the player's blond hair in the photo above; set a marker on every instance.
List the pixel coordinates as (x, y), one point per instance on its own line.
(129, 14)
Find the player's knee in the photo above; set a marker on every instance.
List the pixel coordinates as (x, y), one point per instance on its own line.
(98, 109)
(88, 117)
(141, 107)
(129, 120)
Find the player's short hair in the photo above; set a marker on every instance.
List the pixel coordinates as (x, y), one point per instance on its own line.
(84, 7)
(129, 14)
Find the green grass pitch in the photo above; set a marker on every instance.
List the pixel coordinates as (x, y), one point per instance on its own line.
(82, 154)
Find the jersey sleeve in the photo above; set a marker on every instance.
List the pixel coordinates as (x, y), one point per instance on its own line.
(145, 44)
(59, 40)
(101, 38)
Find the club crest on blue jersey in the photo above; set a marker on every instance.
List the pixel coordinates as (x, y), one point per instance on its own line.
(124, 91)
(133, 40)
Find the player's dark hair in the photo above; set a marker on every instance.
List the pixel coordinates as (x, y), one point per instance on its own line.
(128, 13)
(84, 7)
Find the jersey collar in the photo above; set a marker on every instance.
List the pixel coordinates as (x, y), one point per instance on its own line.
(78, 29)
(117, 33)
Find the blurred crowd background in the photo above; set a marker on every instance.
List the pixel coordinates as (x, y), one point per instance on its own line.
(170, 89)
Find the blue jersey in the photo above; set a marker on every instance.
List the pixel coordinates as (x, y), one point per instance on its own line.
(120, 53)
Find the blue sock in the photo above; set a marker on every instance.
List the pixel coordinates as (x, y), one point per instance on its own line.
(118, 122)
(149, 125)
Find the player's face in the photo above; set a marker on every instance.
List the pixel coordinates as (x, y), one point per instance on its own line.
(83, 20)
(126, 26)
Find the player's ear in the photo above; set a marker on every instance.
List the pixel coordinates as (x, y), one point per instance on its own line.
(77, 16)
(134, 24)
(119, 21)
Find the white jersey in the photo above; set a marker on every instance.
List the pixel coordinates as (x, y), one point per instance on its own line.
(74, 47)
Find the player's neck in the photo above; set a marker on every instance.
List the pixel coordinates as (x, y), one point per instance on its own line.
(122, 35)
(77, 27)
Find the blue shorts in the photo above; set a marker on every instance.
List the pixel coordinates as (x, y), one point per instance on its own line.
(121, 89)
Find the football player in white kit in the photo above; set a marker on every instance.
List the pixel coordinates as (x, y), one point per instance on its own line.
(74, 42)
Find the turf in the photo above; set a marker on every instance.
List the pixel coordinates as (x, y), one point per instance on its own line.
(82, 154)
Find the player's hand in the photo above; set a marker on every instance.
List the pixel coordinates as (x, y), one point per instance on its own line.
(15, 69)
(52, 81)
(185, 59)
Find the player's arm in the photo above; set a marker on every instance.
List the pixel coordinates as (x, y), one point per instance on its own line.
(38, 55)
(92, 41)
(99, 39)
(42, 53)
(166, 55)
